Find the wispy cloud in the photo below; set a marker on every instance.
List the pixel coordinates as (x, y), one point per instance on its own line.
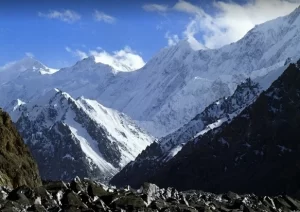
(29, 54)
(68, 16)
(101, 16)
(231, 21)
(184, 6)
(172, 39)
(155, 7)
(125, 59)
(77, 53)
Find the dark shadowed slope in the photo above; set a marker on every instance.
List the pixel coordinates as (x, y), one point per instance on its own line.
(160, 152)
(259, 151)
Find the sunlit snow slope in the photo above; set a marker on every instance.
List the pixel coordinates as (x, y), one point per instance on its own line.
(79, 137)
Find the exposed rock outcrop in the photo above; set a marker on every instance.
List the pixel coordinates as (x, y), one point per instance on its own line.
(17, 166)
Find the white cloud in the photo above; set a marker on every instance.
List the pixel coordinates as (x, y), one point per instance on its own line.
(68, 49)
(81, 54)
(125, 59)
(100, 16)
(184, 6)
(231, 21)
(155, 7)
(172, 39)
(68, 16)
(29, 54)
(77, 53)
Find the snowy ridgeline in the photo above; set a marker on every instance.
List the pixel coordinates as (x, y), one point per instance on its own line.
(71, 137)
(242, 125)
(213, 116)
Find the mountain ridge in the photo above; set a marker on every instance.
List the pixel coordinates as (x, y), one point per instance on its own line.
(249, 153)
(178, 82)
(93, 140)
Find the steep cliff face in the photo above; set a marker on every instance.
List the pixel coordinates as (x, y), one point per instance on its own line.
(17, 166)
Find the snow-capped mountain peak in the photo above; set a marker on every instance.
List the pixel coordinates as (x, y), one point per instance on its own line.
(30, 63)
(89, 64)
(25, 67)
(23, 64)
(81, 132)
(114, 64)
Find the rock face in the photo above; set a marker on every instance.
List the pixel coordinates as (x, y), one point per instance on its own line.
(86, 195)
(161, 151)
(258, 151)
(17, 166)
(77, 137)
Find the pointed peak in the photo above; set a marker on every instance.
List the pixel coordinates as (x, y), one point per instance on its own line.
(61, 93)
(51, 97)
(189, 44)
(88, 60)
(30, 60)
(23, 64)
(192, 43)
(15, 104)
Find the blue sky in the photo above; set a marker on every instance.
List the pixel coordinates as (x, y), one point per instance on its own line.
(59, 33)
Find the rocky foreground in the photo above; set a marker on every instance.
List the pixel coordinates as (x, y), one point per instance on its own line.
(86, 195)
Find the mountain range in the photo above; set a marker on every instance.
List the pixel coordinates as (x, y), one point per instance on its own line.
(257, 151)
(216, 114)
(176, 84)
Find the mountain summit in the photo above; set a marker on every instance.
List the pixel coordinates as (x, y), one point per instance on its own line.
(78, 137)
(23, 68)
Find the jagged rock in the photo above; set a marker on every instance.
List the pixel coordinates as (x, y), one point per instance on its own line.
(61, 197)
(11, 206)
(76, 185)
(55, 186)
(150, 192)
(22, 195)
(159, 204)
(37, 208)
(17, 166)
(129, 202)
(295, 204)
(70, 199)
(96, 190)
(46, 198)
(231, 196)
